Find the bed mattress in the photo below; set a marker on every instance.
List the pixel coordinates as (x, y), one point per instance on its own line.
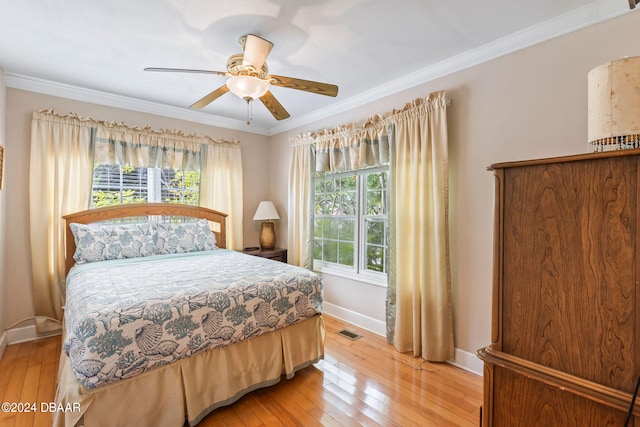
(126, 317)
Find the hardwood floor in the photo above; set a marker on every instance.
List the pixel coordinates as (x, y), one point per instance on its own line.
(362, 382)
(28, 374)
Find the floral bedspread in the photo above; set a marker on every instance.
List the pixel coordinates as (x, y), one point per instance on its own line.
(124, 317)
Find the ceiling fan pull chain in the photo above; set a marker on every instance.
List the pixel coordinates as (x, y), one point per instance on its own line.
(249, 111)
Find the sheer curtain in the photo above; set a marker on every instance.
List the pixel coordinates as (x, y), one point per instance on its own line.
(63, 152)
(414, 142)
(221, 186)
(59, 182)
(300, 205)
(419, 314)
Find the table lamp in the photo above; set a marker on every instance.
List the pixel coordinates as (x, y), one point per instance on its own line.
(266, 212)
(614, 105)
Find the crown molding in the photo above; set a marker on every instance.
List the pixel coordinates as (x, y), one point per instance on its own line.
(589, 14)
(47, 87)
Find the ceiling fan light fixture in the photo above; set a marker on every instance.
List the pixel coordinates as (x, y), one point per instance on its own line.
(247, 86)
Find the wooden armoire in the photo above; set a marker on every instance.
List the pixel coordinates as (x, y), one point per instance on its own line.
(565, 340)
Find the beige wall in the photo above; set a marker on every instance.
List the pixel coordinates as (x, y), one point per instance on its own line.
(20, 105)
(529, 104)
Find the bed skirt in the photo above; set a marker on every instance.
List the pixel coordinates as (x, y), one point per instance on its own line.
(189, 389)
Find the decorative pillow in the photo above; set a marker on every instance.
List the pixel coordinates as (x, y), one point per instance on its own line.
(182, 237)
(117, 241)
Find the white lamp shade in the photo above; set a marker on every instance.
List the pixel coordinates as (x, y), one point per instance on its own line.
(266, 211)
(247, 86)
(614, 101)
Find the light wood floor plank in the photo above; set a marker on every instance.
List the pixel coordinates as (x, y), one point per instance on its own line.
(365, 382)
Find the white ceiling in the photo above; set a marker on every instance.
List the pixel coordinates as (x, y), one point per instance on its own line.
(96, 50)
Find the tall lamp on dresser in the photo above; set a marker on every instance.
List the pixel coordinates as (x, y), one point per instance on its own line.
(614, 105)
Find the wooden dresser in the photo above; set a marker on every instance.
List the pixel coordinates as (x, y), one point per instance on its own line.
(565, 327)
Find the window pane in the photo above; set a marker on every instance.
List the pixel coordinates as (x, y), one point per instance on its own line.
(330, 251)
(329, 186)
(373, 181)
(317, 227)
(345, 253)
(375, 231)
(317, 249)
(348, 183)
(325, 204)
(102, 198)
(330, 228)
(133, 196)
(180, 186)
(375, 258)
(375, 205)
(376, 193)
(348, 202)
(346, 229)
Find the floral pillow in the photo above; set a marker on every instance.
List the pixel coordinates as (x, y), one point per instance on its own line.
(176, 238)
(107, 242)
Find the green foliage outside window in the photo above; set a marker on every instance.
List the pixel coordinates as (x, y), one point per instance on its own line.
(346, 207)
(115, 184)
(182, 187)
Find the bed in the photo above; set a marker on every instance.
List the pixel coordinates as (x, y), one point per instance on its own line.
(161, 316)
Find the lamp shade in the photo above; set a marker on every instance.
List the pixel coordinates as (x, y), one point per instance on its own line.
(247, 86)
(266, 211)
(614, 105)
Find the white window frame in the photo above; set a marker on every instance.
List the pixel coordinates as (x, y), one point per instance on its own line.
(358, 272)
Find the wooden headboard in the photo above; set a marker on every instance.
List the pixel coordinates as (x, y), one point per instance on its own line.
(141, 210)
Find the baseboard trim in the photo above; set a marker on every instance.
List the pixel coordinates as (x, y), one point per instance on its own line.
(3, 344)
(462, 359)
(467, 361)
(365, 322)
(27, 333)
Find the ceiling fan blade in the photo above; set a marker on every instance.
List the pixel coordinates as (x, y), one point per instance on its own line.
(306, 85)
(208, 99)
(256, 50)
(274, 106)
(187, 70)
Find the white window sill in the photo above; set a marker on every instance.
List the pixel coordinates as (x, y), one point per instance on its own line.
(376, 279)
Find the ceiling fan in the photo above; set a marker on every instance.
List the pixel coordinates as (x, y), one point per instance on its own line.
(249, 78)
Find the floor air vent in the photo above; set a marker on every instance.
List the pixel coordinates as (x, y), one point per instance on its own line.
(348, 334)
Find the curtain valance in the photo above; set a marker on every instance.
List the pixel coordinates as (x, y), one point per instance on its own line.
(352, 147)
(117, 143)
(348, 147)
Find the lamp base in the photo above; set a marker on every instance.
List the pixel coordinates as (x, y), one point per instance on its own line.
(267, 236)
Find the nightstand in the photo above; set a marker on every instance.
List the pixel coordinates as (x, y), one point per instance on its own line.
(276, 254)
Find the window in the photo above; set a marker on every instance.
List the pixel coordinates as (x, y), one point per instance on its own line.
(350, 224)
(115, 184)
